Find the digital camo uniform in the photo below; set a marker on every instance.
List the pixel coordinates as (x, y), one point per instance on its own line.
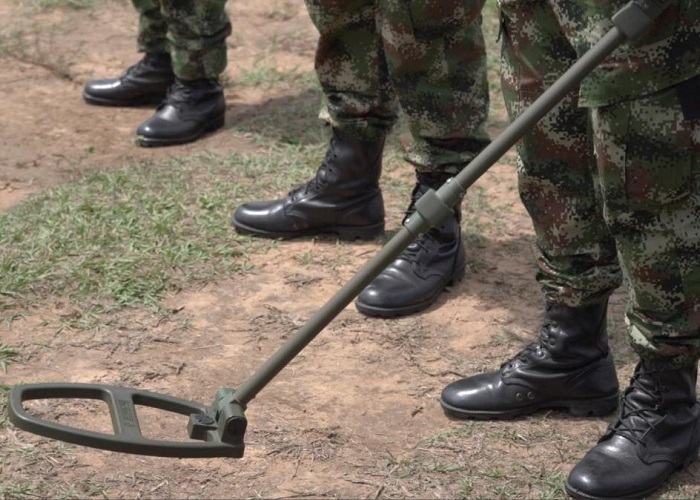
(426, 55)
(611, 175)
(184, 53)
(193, 31)
(645, 106)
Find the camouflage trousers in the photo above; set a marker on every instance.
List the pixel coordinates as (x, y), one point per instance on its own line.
(425, 56)
(193, 32)
(612, 191)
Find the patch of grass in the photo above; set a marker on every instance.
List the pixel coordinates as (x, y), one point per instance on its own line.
(480, 459)
(266, 75)
(19, 489)
(125, 237)
(463, 431)
(84, 489)
(276, 170)
(4, 391)
(34, 45)
(7, 356)
(68, 4)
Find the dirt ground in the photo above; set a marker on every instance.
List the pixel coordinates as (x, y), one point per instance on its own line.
(356, 414)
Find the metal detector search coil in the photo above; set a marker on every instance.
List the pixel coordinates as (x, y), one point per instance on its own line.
(220, 431)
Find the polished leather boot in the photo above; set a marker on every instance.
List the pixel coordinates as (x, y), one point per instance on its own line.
(655, 434)
(146, 82)
(343, 198)
(568, 367)
(191, 109)
(421, 272)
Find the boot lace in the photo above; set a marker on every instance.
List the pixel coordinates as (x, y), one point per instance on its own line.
(140, 67)
(133, 68)
(178, 93)
(633, 423)
(524, 356)
(537, 349)
(320, 180)
(412, 251)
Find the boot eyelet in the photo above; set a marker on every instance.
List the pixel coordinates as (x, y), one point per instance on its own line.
(530, 395)
(519, 396)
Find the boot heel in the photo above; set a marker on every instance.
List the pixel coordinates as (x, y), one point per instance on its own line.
(457, 276)
(365, 233)
(216, 124)
(595, 407)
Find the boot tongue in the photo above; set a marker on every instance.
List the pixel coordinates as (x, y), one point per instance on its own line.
(178, 93)
(640, 406)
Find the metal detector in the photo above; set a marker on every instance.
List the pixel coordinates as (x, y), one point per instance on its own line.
(218, 430)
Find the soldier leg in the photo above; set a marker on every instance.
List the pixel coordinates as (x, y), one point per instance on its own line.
(344, 198)
(147, 81)
(649, 164)
(569, 366)
(197, 33)
(437, 66)
(153, 28)
(195, 104)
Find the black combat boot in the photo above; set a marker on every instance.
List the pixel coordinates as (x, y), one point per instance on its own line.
(191, 109)
(417, 277)
(343, 198)
(146, 82)
(569, 367)
(655, 434)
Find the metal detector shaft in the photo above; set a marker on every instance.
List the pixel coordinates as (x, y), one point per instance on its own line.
(434, 207)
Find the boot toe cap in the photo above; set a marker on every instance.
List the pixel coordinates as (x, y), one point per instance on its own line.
(613, 469)
(169, 126)
(398, 290)
(166, 123)
(470, 395)
(263, 218)
(122, 92)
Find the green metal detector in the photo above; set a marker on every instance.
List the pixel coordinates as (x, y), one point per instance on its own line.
(218, 430)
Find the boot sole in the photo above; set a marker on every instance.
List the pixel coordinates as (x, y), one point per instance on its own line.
(577, 407)
(394, 312)
(131, 103)
(149, 142)
(574, 493)
(344, 233)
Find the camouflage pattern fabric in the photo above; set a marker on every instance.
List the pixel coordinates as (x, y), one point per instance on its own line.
(426, 57)
(193, 32)
(619, 179)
